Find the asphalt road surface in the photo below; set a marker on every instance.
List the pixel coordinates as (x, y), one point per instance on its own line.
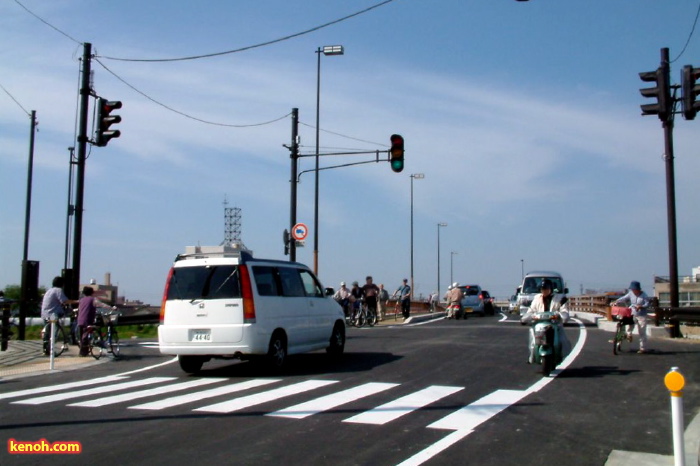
(438, 393)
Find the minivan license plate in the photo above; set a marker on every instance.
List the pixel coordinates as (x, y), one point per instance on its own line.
(201, 335)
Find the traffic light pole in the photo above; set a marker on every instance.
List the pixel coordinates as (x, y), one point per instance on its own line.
(670, 193)
(72, 293)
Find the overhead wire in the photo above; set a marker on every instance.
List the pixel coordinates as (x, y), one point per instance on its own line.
(692, 31)
(178, 111)
(15, 100)
(250, 47)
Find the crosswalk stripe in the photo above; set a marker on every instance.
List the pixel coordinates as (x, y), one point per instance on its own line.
(191, 397)
(108, 400)
(333, 400)
(404, 405)
(91, 391)
(270, 395)
(63, 386)
(470, 416)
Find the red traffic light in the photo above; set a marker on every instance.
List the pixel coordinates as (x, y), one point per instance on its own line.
(105, 120)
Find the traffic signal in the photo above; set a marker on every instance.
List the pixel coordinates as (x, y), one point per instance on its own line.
(105, 120)
(396, 153)
(662, 92)
(690, 90)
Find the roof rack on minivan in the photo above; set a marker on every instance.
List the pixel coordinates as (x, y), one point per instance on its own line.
(237, 250)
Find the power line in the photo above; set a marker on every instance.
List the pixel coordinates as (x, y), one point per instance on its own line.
(342, 135)
(250, 47)
(689, 36)
(47, 23)
(182, 113)
(15, 100)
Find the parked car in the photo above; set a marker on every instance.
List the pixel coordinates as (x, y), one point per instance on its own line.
(513, 304)
(220, 302)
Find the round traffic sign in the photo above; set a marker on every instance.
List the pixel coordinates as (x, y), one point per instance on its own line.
(300, 231)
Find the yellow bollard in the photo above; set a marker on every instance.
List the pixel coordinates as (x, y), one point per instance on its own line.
(675, 382)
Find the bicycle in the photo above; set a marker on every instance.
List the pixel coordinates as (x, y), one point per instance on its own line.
(363, 315)
(97, 341)
(61, 339)
(623, 316)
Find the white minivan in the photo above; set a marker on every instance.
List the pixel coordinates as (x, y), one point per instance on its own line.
(220, 302)
(531, 286)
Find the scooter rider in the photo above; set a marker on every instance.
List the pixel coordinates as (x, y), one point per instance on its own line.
(548, 301)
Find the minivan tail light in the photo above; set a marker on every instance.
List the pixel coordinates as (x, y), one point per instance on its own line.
(165, 295)
(247, 294)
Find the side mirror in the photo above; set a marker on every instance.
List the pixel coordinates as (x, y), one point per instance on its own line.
(329, 291)
(566, 291)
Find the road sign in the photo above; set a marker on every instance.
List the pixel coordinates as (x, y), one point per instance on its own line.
(300, 231)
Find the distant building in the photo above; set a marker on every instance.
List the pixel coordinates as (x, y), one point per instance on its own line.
(106, 293)
(688, 289)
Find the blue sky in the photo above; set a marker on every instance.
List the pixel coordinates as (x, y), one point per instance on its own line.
(523, 116)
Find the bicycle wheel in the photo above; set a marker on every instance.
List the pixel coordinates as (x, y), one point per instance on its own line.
(95, 343)
(114, 342)
(620, 342)
(361, 319)
(60, 341)
(371, 319)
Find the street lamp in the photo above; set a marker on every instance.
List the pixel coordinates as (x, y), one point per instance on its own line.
(452, 254)
(414, 176)
(326, 50)
(522, 269)
(438, 255)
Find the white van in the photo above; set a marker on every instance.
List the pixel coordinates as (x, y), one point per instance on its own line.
(220, 302)
(531, 286)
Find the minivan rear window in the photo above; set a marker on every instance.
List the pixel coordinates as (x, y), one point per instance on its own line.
(206, 282)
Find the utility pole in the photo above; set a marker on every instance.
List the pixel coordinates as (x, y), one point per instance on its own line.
(28, 278)
(294, 155)
(85, 92)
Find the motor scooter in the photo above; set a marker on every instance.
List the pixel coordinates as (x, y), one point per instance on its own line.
(545, 344)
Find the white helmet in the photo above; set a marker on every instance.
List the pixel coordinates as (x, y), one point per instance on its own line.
(455, 285)
(449, 287)
(342, 283)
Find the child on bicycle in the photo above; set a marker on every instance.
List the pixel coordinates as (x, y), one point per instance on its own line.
(87, 311)
(638, 301)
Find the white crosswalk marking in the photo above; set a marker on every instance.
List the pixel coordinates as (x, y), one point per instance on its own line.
(469, 417)
(191, 397)
(270, 395)
(108, 400)
(404, 405)
(63, 386)
(91, 391)
(333, 400)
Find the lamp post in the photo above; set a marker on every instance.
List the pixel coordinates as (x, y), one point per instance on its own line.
(522, 269)
(414, 176)
(438, 255)
(452, 254)
(326, 50)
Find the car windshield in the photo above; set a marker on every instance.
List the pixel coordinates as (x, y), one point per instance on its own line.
(532, 284)
(210, 282)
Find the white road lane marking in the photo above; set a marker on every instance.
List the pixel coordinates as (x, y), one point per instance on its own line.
(270, 395)
(192, 397)
(404, 405)
(333, 400)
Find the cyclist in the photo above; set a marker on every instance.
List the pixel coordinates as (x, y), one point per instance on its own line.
(370, 291)
(52, 307)
(355, 299)
(638, 301)
(87, 311)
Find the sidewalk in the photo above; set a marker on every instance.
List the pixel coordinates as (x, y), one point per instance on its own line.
(24, 358)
